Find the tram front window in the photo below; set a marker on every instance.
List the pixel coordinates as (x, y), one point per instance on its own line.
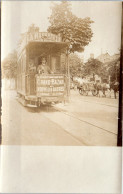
(55, 64)
(51, 66)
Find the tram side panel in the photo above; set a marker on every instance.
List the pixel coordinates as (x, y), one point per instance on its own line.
(21, 74)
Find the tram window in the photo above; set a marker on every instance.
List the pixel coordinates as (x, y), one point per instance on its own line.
(63, 63)
(55, 64)
(22, 65)
(19, 66)
(19, 63)
(24, 62)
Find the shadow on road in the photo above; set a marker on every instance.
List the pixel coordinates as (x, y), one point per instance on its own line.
(42, 108)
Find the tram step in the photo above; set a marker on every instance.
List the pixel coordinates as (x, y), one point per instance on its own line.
(22, 101)
(31, 105)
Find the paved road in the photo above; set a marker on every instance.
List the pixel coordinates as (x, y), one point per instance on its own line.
(98, 116)
(83, 121)
(30, 126)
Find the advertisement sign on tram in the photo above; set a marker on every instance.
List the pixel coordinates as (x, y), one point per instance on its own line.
(48, 85)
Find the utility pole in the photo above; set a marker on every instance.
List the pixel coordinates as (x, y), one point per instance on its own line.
(116, 72)
(68, 76)
(68, 72)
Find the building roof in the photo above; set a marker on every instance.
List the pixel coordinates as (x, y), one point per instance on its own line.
(104, 55)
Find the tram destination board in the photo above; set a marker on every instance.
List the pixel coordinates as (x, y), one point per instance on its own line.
(48, 85)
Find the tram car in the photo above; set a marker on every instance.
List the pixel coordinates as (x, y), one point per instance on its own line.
(42, 68)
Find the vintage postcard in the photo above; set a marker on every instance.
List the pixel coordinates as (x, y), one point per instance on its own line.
(61, 63)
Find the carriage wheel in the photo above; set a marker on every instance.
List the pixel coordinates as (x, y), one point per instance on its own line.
(81, 92)
(85, 92)
(94, 92)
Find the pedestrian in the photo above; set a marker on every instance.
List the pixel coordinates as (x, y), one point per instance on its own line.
(108, 89)
(116, 88)
(104, 89)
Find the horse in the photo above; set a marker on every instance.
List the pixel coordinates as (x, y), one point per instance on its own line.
(100, 89)
(115, 87)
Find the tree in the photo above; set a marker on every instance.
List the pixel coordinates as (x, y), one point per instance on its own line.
(114, 69)
(75, 30)
(75, 65)
(9, 66)
(94, 66)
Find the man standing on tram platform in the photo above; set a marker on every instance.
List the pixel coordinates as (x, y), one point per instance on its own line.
(43, 68)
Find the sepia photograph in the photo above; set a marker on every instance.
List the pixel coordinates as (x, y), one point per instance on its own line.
(61, 97)
(60, 76)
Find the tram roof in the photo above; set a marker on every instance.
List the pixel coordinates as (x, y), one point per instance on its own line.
(46, 47)
(43, 45)
(34, 38)
(49, 44)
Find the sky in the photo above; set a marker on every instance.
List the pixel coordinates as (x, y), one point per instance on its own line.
(17, 16)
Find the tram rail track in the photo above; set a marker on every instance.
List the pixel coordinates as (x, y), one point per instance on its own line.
(99, 103)
(81, 120)
(77, 118)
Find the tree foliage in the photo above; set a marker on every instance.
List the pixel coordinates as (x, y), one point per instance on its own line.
(114, 69)
(9, 66)
(93, 66)
(75, 65)
(104, 70)
(75, 30)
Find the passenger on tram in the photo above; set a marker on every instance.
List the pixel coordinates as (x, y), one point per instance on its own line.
(43, 68)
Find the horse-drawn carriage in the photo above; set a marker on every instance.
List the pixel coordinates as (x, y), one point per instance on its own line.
(98, 89)
(85, 88)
